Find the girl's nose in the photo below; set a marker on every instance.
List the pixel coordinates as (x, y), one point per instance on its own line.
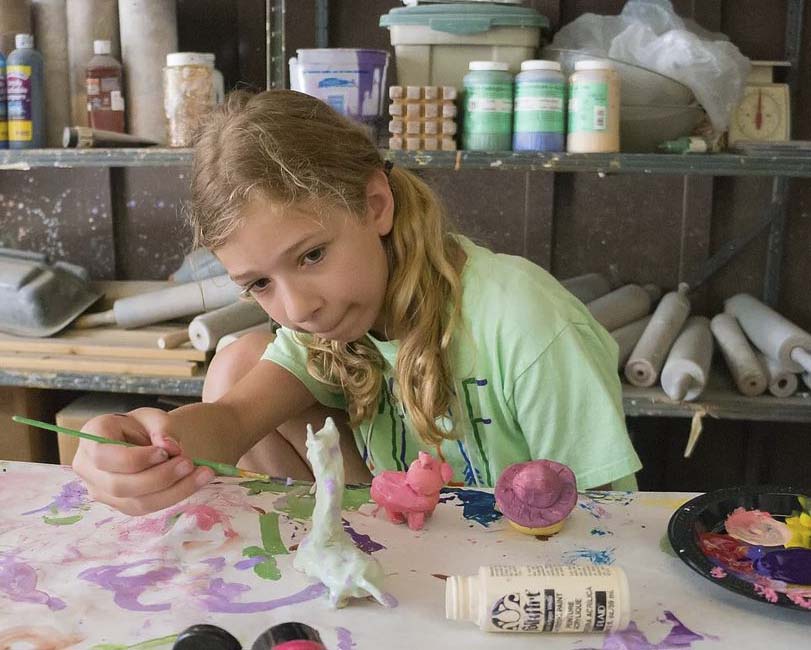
(299, 305)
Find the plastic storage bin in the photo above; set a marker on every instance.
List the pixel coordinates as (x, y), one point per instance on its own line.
(433, 44)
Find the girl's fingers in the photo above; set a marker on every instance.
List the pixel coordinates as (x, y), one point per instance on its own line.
(155, 501)
(156, 478)
(115, 459)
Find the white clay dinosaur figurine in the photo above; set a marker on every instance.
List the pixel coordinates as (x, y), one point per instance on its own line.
(327, 552)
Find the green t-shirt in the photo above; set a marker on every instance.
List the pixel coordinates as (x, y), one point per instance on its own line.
(536, 377)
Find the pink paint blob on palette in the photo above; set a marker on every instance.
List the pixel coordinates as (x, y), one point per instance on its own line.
(755, 541)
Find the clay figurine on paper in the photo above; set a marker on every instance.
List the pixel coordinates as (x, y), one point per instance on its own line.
(327, 552)
(536, 496)
(411, 496)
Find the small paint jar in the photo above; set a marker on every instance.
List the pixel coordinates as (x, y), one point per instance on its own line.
(539, 122)
(488, 105)
(188, 94)
(594, 108)
(534, 598)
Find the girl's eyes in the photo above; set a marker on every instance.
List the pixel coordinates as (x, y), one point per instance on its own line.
(255, 287)
(314, 256)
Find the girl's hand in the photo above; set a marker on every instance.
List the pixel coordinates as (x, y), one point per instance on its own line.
(137, 480)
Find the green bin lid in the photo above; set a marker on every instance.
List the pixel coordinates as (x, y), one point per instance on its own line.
(464, 18)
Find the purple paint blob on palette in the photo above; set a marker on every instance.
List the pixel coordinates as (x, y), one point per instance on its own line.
(680, 637)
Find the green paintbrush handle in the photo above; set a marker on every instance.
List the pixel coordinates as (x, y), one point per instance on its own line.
(220, 468)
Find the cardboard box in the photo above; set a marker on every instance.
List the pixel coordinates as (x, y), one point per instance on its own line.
(76, 414)
(21, 442)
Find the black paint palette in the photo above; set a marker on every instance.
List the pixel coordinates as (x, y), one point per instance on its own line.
(696, 525)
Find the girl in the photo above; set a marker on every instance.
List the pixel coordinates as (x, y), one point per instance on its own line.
(423, 339)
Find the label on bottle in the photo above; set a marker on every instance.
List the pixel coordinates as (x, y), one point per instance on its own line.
(3, 107)
(20, 128)
(539, 107)
(555, 599)
(488, 109)
(588, 107)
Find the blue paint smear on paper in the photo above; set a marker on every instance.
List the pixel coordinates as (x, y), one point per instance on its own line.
(478, 506)
(600, 532)
(602, 557)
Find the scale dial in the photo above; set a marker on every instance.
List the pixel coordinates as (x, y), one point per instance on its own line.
(762, 115)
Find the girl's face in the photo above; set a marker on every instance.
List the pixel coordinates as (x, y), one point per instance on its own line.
(321, 275)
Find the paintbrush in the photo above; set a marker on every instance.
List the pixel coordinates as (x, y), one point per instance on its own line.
(223, 469)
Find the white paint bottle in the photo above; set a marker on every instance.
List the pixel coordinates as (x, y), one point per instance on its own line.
(594, 108)
(541, 598)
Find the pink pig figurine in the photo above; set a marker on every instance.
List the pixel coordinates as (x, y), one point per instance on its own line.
(411, 495)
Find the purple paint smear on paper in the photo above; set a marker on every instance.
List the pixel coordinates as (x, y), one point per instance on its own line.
(128, 589)
(216, 563)
(18, 581)
(363, 542)
(220, 598)
(345, 641)
(631, 638)
(250, 562)
(479, 506)
(72, 496)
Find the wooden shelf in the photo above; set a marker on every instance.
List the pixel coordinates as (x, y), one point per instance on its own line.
(719, 400)
(795, 164)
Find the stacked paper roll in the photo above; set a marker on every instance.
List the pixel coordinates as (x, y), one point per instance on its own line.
(743, 364)
(782, 382)
(588, 287)
(207, 329)
(627, 337)
(623, 305)
(650, 353)
(687, 369)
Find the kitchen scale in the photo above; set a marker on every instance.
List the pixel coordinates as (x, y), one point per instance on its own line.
(764, 114)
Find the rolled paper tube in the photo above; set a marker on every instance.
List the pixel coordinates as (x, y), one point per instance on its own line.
(230, 338)
(774, 335)
(148, 34)
(782, 382)
(166, 304)
(807, 379)
(687, 369)
(207, 329)
(173, 340)
(587, 287)
(654, 291)
(627, 337)
(650, 352)
(87, 21)
(15, 18)
(621, 306)
(743, 364)
(51, 30)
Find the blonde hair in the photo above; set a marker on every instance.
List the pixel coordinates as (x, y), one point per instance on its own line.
(289, 147)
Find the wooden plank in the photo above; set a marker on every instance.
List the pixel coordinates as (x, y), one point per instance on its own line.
(106, 342)
(57, 363)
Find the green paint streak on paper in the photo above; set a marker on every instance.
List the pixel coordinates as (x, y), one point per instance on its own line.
(271, 537)
(274, 485)
(355, 497)
(61, 521)
(300, 504)
(152, 643)
(268, 569)
(171, 521)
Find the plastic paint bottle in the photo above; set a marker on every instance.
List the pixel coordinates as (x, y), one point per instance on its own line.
(488, 107)
(540, 108)
(26, 95)
(541, 598)
(104, 83)
(3, 104)
(289, 636)
(594, 108)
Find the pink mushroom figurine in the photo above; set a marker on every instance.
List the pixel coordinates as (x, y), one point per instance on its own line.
(536, 496)
(411, 496)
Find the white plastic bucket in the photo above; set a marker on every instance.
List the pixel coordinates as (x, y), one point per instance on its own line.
(352, 81)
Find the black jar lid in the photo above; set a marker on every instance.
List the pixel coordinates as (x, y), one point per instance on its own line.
(205, 637)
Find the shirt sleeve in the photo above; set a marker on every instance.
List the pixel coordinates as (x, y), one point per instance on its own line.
(568, 404)
(291, 355)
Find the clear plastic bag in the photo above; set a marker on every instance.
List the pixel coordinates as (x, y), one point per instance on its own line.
(648, 33)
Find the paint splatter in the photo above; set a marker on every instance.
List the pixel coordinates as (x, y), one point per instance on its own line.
(18, 581)
(718, 572)
(72, 496)
(632, 638)
(600, 532)
(478, 506)
(263, 560)
(767, 592)
(127, 589)
(611, 498)
(801, 597)
(345, 641)
(363, 542)
(603, 557)
(220, 596)
(593, 508)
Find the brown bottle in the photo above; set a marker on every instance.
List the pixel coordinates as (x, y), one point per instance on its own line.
(105, 102)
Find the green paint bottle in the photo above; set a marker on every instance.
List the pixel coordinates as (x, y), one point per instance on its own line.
(488, 104)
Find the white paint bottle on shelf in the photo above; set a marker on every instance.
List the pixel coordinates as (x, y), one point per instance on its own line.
(541, 598)
(594, 108)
